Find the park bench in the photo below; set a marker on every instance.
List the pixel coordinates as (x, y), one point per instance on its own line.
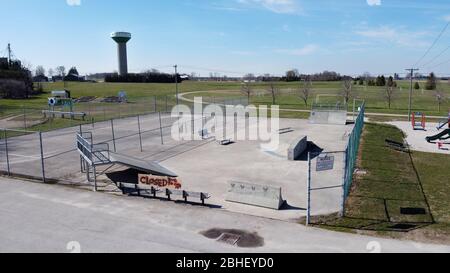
(225, 142)
(402, 147)
(129, 188)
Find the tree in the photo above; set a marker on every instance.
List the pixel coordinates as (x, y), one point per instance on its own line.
(417, 86)
(273, 90)
(381, 81)
(431, 82)
(391, 82)
(73, 71)
(347, 90)
(40, 71)
(51, 72)
(61, 70)
(440, 97)
(389, 94)
(305, 91)
(292, 75)
(246, 88)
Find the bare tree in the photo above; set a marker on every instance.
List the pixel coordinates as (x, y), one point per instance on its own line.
(389, 93)
(61, 70)
(347, 90)
(246, 88)
(273, 89)
(51, 73)
(440, 98)
(305, 91)
(39, 71)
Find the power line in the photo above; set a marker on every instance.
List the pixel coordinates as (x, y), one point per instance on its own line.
(432, 46)
(437, 56)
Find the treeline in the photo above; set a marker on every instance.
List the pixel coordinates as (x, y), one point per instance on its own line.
(378, 81)
(150, 77)
(326, 76)
(15, 81)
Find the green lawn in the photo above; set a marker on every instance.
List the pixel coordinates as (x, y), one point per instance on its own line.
(396, 180)
(142, 96)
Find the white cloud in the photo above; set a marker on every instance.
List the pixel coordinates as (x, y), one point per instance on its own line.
(277, 6)
(447, 18)
(306, 50)
(374, 3)
(73, 2)
(397, 36)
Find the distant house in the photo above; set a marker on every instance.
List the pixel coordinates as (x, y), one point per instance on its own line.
(4, 63)
(73, 78)
(40, 78)
(57, 79)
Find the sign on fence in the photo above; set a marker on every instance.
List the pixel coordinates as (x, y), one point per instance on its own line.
(159, 181)
(325, 163)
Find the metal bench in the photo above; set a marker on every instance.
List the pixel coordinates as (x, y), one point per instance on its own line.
(129, 188)
(402, 147)
(224, 142)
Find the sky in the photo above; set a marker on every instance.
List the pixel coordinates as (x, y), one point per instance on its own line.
(231, 37)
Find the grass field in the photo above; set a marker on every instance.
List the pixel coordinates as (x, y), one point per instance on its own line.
(142, 99)
(396, 180)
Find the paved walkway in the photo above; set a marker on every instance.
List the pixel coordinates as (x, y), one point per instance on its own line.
(45, 218)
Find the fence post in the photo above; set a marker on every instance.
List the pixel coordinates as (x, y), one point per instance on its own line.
(308, 206)
(24, 118)
(7, 153)
(94, 169)
(167, 105)
(42, 157)
(140, 134)
(113, 135)
(344, 186)
(160, 129)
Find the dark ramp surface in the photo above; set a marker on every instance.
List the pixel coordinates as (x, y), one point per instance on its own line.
(140, 165)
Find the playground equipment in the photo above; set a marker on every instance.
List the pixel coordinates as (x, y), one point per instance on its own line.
(94, 155)
(444, 122)
(418, 121)
(444, 135)
(60, 102)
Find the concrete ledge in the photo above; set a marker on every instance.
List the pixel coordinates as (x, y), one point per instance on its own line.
(255, 195)
(297, 148)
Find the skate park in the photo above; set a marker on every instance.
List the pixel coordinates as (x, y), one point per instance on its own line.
(147, 138)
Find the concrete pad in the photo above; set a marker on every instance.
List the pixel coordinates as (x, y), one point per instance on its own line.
(203, 165)
(417, 138)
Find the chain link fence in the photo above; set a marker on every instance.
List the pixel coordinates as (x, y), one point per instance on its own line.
(330, 174)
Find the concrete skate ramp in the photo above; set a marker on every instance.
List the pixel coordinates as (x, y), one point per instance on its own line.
(255, 195)
(336, 117)
(297, 148)
(140, 165)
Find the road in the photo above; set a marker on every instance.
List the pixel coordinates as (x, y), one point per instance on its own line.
(45, 218)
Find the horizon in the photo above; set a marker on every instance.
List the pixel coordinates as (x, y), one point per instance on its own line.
(233, 37)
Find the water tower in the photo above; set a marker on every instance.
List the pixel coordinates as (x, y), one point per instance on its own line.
(121, 39)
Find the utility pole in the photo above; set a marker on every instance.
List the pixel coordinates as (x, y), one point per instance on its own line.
(9, 54)
(411, 70)
(176, 80)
